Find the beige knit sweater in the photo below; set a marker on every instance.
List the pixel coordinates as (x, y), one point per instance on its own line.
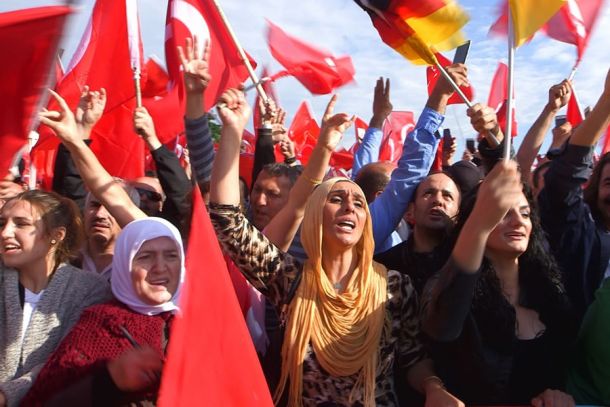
(69, 292)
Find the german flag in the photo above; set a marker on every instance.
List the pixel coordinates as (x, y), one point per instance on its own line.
(417, 29)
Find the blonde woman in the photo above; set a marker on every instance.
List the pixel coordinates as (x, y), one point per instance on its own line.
(348, 319)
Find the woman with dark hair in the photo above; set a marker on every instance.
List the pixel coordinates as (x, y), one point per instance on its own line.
(498, 318)
(41, 296)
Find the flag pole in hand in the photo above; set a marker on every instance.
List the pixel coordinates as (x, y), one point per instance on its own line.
(136, 82)
(510, 100)
(242, 53)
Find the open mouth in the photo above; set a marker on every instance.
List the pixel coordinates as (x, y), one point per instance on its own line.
(347, 225)
(10, 248)
(160, 282)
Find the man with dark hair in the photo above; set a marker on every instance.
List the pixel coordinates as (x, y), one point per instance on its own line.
(270, 191)
(577, 223)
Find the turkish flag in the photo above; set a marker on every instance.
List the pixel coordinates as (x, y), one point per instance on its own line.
(498, 97)
(304, 131)
(395, 129)
(318, 70)
(112, 34)
(433, 75)
(574, 113)
(360, 128)
(211, 359)
(574, 22)
(200, 18)
(28, 40)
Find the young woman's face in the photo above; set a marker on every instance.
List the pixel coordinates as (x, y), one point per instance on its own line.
(512, 234)
(155, 270)
(24, 239)
(344, 215)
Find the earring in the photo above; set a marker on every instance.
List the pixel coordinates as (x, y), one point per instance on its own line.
(53, 241)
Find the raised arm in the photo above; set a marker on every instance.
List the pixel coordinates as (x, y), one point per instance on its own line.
(96, 178)
(589, 132)
(67, 180)
(198, 135)
(368, 151)
(558, 97)
(286, 222)
(448, 296)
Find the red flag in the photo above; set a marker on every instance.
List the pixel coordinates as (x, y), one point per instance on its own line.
(433, 74)
(28, 40)
(574, 113)
(498, 97)
(112, 28)
(574, 22)
(360, 127)
(304, 131)
(606, 147)
(157, 79)
(211, 360)
(318, 70)
(200, 18)
(395, 130)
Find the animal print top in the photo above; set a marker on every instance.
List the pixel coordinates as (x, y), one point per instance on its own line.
(272, 272)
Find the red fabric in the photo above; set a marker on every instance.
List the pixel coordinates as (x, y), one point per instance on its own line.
(189, 18)
(574, 113)
(156, 81)
(498, 97)
(574, 22)
(318, 70)
(437, 165)
(115, 143)
(433, 75)
(395, 129)
(94, 340)
(211, 359)
(246, 165)
(304, 131)
(28, 39)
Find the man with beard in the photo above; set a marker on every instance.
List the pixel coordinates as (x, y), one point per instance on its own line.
(577, 221)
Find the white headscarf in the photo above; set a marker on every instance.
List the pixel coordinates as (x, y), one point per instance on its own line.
(130, 240)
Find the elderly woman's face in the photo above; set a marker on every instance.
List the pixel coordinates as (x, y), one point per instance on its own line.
(344, 216)
(155, 270)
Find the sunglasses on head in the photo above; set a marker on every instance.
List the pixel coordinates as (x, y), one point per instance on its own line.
(150, 195)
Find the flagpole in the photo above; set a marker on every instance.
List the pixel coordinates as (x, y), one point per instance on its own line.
(573, 72)
(510, 101)
(493, 141)
(242, 53)
(136, 81)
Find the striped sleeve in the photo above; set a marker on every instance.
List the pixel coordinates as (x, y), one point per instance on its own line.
(201, 147)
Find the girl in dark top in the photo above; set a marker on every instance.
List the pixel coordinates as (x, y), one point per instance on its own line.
(499, 322)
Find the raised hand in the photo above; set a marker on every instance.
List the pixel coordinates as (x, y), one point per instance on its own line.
(136, 369)
(333, 126)
(90, 107)
(287, 148)
(62, 122)
(499, 192)
(459, 74)
(483, 119)
(273, 116)
(382, 106)
(143, 123)
(234, 110)
(559, 95)
(195, 66)
(449, 149)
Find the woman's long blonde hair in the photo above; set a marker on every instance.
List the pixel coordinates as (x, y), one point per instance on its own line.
(344, 329)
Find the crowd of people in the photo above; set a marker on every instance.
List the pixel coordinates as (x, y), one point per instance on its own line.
(485, 281)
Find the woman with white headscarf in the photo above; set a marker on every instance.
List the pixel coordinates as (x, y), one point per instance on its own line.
(113, 355)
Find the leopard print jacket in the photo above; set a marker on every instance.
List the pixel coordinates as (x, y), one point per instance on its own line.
(272, 272)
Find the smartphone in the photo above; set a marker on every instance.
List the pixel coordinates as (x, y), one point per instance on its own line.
(447, 139)
(461, 53)
(470, 146)
(560, 119)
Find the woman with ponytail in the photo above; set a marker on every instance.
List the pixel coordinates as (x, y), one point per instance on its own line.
(347, 319)
(41, 296)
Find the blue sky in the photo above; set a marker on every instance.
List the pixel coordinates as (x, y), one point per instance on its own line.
(343, 28)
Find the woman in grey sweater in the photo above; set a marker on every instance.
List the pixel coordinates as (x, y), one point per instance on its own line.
(41, 297)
